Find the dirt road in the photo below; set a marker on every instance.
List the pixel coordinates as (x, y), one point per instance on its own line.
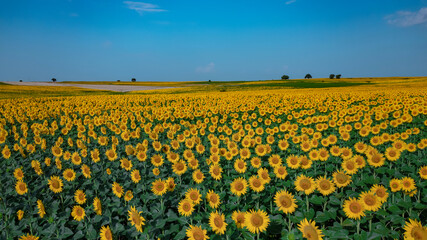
(116, 88)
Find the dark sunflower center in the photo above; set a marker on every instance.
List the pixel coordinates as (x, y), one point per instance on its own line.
(257, 220)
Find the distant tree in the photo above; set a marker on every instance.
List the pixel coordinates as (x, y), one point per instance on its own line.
(308, 76)
(285, 77)
(331, 76)
(118, 80)
(209, 80)
(338, 76)
(133, 79)
(53, 79)
(20, 80)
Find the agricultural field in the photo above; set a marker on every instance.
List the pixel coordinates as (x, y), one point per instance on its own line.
(263, 162)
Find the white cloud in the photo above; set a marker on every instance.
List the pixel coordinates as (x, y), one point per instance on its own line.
(206, 69)
(142, 7)
(290, 2)
(408, 18)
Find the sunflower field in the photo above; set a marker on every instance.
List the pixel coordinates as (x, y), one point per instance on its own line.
(309, 164)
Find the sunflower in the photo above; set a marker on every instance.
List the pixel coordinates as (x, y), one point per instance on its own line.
(78, 213)
(215, 170)
(371, 201)
(360, 147)
(335, 151)
(349, 166)
(260, 150)
(136, 219)
(193, 163)
(376, 160)
(392, 154)
(245, 153)
(128, 195)
(283, 145)
(69, 174)
(97, 206)
(18, 174)
(293, 161)
(240, 166)
(239, 218)
(306, 146)
(354, 208)
(141, 156)
(380, 191)
(281, 172)
(136, 176)
(305, 184)
(264, 175)
(256, 221)
(111, 154)
(325, 186)
(414, 230)
(21, 187)
(185, 207)
(239, 186)
(94, 154)
(105, 233)
(56, 151)
(346, 153)
(80, 197)
(285, 201)
(58, 163)
(256, 184)
(41, 211)
(179, 167)
(395, 185)
(217, 223)
(256, 162)
(170, 184)
(55, 184)
(423, 172)
(310, 230)
(304, 162)
(399, 145)
(411, 147)
(86, 171)
(20, 214)
(159, 187)
(198, 176)
(126, 164)
(341, 179)
(213, 199)
(408, 184)
(196, 233)
(275, 160)
(28, 237)
(76, 159)
(117, 189)
(194, 195)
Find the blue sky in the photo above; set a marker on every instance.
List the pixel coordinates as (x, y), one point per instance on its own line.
(179, 40)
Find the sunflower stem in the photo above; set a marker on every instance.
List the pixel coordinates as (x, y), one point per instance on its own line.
(370, 225)
(358, 227)
(306, 202)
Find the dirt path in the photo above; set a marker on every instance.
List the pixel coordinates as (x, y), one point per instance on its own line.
(116, 88)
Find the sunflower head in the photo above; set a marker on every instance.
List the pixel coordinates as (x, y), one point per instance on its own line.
(285, 201)
(217, 223)
(309, 230)
(256, 221)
